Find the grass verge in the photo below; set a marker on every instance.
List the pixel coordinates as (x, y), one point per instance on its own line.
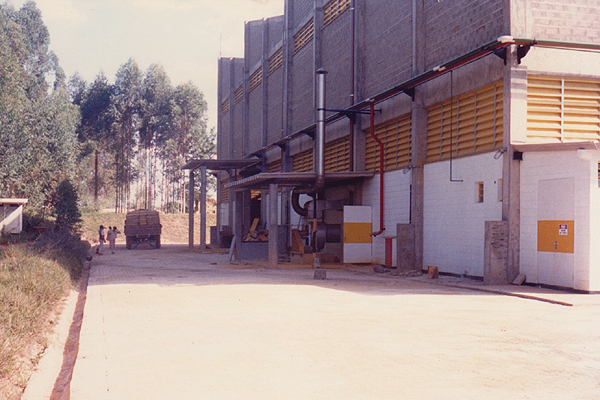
(33, 281)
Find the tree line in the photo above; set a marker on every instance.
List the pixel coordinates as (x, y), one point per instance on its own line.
(124, 141)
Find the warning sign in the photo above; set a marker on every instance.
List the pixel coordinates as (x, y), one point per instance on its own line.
(563, 229)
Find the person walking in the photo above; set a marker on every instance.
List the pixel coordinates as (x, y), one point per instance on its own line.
(100, 240)
(112, 238)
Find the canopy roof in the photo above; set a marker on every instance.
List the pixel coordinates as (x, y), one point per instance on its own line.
(220, 164)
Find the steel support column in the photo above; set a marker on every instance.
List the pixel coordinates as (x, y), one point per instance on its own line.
(191, 209)
(203, 208)
(273, 214)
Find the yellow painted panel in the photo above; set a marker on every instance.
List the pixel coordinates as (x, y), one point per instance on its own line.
(357, 232)
(557, 236)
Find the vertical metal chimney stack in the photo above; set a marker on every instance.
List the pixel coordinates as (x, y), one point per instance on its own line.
(320, 134)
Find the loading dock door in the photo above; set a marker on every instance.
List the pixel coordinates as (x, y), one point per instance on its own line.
(556, 232)
(358, 225)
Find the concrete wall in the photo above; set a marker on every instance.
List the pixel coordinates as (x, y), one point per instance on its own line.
(454, 224)
(396, 186)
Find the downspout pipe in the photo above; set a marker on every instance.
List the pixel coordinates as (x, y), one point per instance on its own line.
(381, 168)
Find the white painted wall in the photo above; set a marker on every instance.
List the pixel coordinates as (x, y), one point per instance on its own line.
(454, 224)
(396, 186)
(582, 168)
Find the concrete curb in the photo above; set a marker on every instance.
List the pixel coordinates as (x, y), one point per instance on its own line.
(47, 381)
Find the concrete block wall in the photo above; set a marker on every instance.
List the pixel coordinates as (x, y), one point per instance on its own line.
(565, 20)
(544, 166)
(238, 148)
(454, 224)
(396, 208)
(255, 111)
(456, 27)
(303, 78)
(303, 10)
(274, 105)
(385, 45)
(254, 44)
(336, 60)
(275, 32)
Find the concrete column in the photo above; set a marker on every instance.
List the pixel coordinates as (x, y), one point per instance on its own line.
(515, 118)
(273, 213)
(419, 139)
(191, 209)
(288, 53)
(419, 156)
(203, 208)
(246, 86)
(265, 81)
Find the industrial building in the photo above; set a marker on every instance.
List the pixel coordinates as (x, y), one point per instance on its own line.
(458, 134)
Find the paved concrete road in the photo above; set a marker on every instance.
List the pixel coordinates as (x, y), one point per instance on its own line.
(173, 324)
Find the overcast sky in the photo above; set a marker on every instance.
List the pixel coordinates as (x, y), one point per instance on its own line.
(185, 36)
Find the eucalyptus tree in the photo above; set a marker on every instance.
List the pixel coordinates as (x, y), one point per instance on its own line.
(96, 121)
(155, 116)
(125, 109)
(187, 138)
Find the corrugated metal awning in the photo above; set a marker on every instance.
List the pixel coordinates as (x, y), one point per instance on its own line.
(220, 164)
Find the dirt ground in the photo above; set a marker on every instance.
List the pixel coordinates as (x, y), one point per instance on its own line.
(177, 324)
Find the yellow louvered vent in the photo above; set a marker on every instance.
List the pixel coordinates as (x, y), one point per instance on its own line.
(395, 135)
(303, 162)
(562, 109)
(337, 155)
(334, 8)
(255, 194)
(224, 192)
(276, 60)
(225, 106)
(274, 166)
(239, 94)
(304, 35)
(473, 125)
(256, 79)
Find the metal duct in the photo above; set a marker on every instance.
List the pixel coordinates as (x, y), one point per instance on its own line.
(320, 132)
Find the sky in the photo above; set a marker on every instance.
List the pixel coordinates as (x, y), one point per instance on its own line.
(186, 37)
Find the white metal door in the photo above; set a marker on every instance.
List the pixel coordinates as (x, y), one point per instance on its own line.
(555, 206)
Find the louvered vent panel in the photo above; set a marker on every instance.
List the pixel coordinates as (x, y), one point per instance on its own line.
(334, 8)
(304, 35)
(337, 155)
(276, 60)
(473, 124)
(256, 79)
(395, 136)
(303, 162)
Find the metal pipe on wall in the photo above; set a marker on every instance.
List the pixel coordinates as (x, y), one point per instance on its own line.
(381, 168)
(320, 132)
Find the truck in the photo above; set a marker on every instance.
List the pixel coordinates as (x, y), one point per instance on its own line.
(142, 226)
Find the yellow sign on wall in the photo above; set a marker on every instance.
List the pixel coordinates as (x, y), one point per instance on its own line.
(556, 236)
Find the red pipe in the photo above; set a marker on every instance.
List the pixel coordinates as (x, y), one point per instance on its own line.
(381, 165)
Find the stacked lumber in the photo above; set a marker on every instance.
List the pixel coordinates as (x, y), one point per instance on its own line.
(256, 236)
(142, 217)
